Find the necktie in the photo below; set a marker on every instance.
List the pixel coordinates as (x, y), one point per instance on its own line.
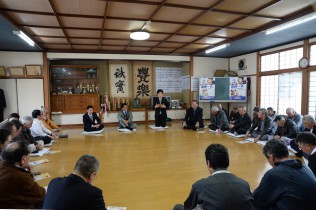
(91, 118)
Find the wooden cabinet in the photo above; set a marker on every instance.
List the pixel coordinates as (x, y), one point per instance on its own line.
(73, 88)
(75, 103)
(74, 79)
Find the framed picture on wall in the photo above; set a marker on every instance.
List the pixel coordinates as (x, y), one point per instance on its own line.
(3, 73)
(33, 70)
(16, 71)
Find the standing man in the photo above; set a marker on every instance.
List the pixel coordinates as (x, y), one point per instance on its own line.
(76, 191)
(160, 105)
(194, 117)
(263, 125)
(125, 118)
(289, 185)
(91, 121)
(221, 190)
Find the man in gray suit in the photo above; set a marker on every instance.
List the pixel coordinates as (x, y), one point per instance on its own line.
(219, 120)
(125, 118)
(221, 190)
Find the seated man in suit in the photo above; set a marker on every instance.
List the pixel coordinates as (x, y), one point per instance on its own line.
(125, 118)
(160, 105)
(18, 189)
(307, 142)
(288, 185)
(286, 131)
(272, 114)
(25, 135)
(263, 125)
(234, 115)
(194, 117)
(309, 124)
(39, 131)
(296, 117)
(219, 120)
(91, 121)
(76, 191)
(243, 123)
(221, 190)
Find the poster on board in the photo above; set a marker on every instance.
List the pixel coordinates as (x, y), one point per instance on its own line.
(238, 88)
(207, 88)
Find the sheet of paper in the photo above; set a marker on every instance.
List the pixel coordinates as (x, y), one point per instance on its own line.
(40, 153)
(41, 176)
(244, 142)
(236, 136)
(54, 152)
(37, 162)
(116, 208)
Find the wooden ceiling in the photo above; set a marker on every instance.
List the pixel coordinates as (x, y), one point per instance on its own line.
(177, 26)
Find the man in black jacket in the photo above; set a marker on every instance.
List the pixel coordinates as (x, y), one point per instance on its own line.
(243, 123)
(194, 117)
(309, 124)
(263, 125)
(287, 129)
(288, 185)
(76, 191)
(307, 142)
(91, 120)
(160, 105)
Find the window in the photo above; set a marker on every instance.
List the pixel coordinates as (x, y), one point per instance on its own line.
(313, 55)
(282, 91)
(281, 60)
(290, 92)
(312, 94)
(289, 59)
(270, 62)
(269, 91)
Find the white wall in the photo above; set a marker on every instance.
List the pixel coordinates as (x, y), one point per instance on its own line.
(10, 59)
(251, 69)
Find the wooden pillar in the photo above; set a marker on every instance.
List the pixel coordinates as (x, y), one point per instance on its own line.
(46, 81)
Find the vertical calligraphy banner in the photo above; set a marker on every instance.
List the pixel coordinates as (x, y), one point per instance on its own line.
(143, 80)
(119, 78)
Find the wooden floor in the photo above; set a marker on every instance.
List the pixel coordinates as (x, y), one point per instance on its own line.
(150, 169)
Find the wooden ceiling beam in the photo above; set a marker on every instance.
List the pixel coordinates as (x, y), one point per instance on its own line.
(59, 22)
(103, 23)
(234, 21)
(195, 18)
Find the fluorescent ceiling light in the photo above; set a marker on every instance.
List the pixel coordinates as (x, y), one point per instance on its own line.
(139, 35)
(24, 37)
(292, 23)
(216, 48)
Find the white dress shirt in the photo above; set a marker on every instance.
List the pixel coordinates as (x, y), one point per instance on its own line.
(38, 129)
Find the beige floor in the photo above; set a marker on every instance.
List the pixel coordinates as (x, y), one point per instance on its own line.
(150, 169)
